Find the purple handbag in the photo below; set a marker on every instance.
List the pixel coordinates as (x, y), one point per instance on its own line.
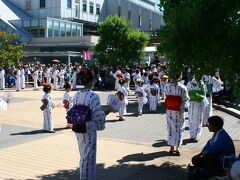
(79, 114)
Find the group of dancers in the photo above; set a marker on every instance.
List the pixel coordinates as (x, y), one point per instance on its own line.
(154, 85)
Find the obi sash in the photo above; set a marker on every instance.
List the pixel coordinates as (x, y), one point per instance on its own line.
(173, 102)
(196, 95)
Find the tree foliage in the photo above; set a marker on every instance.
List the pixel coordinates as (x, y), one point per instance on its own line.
(10, 50)
(203, 35)
(119, 43)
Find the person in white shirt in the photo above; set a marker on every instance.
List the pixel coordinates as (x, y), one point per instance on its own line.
(2, 78)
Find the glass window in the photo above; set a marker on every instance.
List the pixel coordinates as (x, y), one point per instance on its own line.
(68, 29)
(69, 3)
(56, 28)
(79, 30)
(84, 6)
(28, 4)
(119, 10)
(78, 11)
(34, 23)
(50, 27)
(41, 33)
(97, 9)
(74, 30)
(42, 3)
(91, 7)
(26, 23)
(62, 28)
(129, 14)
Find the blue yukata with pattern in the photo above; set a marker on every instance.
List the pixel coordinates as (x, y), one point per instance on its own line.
(87, 141)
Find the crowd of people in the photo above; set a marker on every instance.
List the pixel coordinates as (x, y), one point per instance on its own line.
(151, 85)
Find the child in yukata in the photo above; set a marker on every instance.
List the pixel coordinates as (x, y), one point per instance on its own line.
(67, 100)
(122, 96)
(154, 94)
(47, 108)
(141, 95)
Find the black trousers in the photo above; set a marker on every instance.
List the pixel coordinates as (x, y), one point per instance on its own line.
(209, 163)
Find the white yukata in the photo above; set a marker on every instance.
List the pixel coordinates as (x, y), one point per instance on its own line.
(18, 80)
(68, 98)
(55, 79)
(141, 100)
(74, 80)
(213, 85)
(47, 113)
(3, 107)
(49, 75)
(22, 78)
(153, 100)
(135, 77)
(127, 80)
(35, 80)
(195, 110)
(162, 83)
(61, 76)
(175, 119)
(2, 79)
(123, 109)
(87, 141)
(116, 79)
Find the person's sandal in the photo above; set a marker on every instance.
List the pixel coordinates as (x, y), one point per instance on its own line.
(177, 153)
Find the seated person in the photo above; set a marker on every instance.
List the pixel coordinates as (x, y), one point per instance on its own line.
(210, 160)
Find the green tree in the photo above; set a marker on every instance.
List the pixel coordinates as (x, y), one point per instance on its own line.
(10, 50)
(203, 35)
(119, 43)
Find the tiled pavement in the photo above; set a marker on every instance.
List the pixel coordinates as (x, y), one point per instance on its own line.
(134, 149)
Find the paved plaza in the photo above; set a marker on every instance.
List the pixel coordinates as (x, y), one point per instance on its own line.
(134, 149)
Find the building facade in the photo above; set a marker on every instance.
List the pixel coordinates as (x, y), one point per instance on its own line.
(71, 25)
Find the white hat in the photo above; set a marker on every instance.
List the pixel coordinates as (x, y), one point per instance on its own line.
(235, 171)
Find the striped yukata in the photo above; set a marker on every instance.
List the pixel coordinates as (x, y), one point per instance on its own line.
(175, 119)
(87, 141)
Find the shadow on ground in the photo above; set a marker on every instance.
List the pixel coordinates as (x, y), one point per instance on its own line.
(167, 171)
(39, 131)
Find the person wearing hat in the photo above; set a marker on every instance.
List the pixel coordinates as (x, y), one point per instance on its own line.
(47, 108)
(123, 91)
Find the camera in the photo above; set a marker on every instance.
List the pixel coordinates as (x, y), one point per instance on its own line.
(227, 162)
